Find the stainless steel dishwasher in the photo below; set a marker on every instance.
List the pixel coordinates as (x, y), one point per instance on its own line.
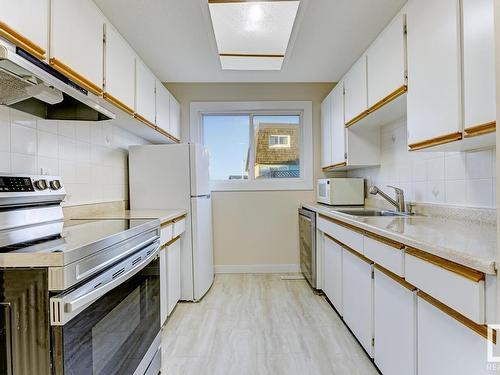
(307, 239)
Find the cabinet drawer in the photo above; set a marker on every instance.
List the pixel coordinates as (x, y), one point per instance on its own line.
(179, 226)
(347, 236)
(458, 287)
(387, 253)
(166, 232)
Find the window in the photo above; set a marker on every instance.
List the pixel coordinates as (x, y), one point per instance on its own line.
(268, 148)
(279, 141)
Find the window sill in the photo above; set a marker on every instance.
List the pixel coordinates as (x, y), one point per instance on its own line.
(269, 185)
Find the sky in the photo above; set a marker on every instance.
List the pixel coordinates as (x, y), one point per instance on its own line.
(227, 138)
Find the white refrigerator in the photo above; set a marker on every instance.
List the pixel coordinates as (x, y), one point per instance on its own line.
(176, 176)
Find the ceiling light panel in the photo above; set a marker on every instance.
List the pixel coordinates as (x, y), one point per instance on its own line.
(251, 62)
(254, 28)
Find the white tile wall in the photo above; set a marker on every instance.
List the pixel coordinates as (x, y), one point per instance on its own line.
(457, 178)
(90, 157)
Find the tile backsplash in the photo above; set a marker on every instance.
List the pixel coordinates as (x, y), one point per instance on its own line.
(455, 178)
(90, 157)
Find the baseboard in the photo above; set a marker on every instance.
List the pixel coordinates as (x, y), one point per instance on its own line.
(258, 268)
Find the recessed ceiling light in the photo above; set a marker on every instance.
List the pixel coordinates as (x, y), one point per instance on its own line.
(252, 34)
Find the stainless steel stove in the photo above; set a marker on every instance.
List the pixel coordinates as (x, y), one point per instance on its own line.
(76, 296)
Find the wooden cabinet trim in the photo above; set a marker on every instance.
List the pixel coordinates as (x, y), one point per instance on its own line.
(180, 218)
(389, 98)
(166, 223)
(333, 166)
(350, 249)
(74, 76)
(448, 265)
(167, 134)
(145, 121)
(480, 329)
(385, 241)
(474, 131)
(13, 36)
(395, 277)
(172, 240)
(117, 103)
(342, 224)
(452, 137)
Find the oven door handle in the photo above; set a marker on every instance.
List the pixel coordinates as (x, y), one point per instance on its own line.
(66, 306)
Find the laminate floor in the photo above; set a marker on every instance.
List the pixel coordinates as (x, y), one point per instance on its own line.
(260, 324)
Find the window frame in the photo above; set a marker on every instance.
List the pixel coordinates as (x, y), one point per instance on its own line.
(267, 108)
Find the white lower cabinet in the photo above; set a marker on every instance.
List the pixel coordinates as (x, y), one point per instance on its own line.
(163, 286)
(446, 346)
(173, 275)
(357, 297)
(395, 319)
(332, 271)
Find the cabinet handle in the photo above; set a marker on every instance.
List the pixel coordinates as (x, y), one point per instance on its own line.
(450, 266)
(385, 241)
(389, 98)
(20, 41)
(110, 98)
(441, 140)
(168, 135)
(172, 241)
(480, 329)
(145, 120)
(74, 76)
(474, 131)
(342, 224)
(395, 277)
(333, 166)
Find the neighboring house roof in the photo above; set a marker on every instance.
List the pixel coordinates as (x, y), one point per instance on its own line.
(266, 155)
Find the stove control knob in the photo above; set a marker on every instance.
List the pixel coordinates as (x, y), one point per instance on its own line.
(55, 184)
(41, 184)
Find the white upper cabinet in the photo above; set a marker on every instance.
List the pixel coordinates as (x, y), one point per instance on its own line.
(355, 88)
(479, 63)
(145, 97)
(387, 62)
(434, 74)
(76, 42)
(26, 23)
(326, 131)
(162, 107)
(175, 118)
(119, 72)
(338, 127)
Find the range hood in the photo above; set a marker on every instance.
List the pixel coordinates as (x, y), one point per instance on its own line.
(29, 85)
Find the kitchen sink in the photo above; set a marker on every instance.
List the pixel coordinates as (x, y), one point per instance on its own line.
(363, 212)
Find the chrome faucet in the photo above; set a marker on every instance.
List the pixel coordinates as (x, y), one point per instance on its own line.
(399, 202)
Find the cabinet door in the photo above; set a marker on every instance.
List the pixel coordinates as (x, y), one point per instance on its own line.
(387, 62)
(119, 69)
(338, 126)
(355, 86)
(145, 96)
(357, 298)
(433, 99)
(479, 62)
(174, 274)
(326, 131)
(332, 272)
(175, 117)
(162, 107)
(163, 286)
(77, 42)
(395, 313)
(26, 23)
(446, 346)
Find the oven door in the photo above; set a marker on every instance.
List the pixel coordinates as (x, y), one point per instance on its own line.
(111, 324)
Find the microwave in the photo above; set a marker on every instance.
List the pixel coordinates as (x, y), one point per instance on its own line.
(341, 191)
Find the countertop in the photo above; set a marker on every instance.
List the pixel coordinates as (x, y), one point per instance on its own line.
(472, 244)
(162, 215)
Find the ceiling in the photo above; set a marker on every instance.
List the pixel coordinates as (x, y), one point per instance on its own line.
(176, 40)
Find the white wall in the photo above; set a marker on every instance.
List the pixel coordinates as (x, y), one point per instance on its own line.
(90, 157)
(457, 178)
(256, 231)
